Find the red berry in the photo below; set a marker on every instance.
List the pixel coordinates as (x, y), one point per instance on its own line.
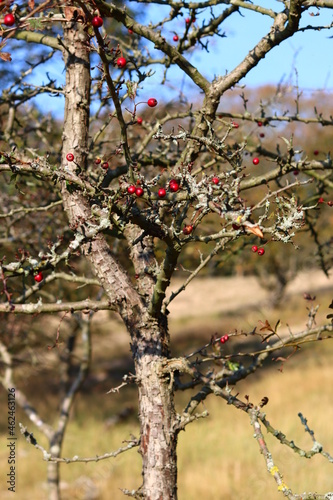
(121, 62)
(296, 172)
(234, 124)
(139, 191)
(330, 203)
(188, 20)
(215, 180)
(321, 200)
(131, 189)
(173, 186)
(235, 227)
(254, 248)
(105, 165)
(175, 38)
(70, 157)
(316, 152)
(222, 340)
(39, 277)
(261, 134)
(139, 120)
(259, 124)
(188, 229)
(130, 32)
(97, 161)
(261, 251)
(9, 20)
(255, 161)
(225, 338)
(161, 193)
(152, 102)
(97, 22)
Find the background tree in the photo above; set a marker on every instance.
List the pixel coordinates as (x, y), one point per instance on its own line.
(130, 184)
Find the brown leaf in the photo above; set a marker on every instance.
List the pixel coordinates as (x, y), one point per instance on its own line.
(255, 230)
(307, 296)
(5, 56)
(266, 327)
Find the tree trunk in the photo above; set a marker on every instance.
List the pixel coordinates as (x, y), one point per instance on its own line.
(156, 411)
(53, 474)
(150, 340)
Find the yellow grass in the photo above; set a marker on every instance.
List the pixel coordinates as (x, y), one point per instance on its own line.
(218, 456)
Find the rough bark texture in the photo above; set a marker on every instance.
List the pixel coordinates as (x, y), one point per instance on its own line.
(157, 413)
(149, 336)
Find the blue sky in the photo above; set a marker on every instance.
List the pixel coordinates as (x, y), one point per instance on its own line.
(308, 52)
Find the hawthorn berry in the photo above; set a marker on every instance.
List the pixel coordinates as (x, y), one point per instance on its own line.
(175, 38)
(259, 124)
(215, 180)
(130, 32)
(97, 161)
(330, 203)
(255, 161)
(121, 62)
(105, 165)
(188, 229)
(173, 186)
(235, 227)
(97, 22)
(131, 189)
(261, 251)
(224, 339)
(321, 200)
(188, 20)
(139, 120)
(254, 248)
(261, 134)
(161, 193)
(38, 277)
(316, 152)
(235, 124)
(70, 157)
(139, 191)
(9, 20)
(152, 102)
(296, 172)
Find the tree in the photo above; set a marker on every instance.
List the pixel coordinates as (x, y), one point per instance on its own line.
(138, 186)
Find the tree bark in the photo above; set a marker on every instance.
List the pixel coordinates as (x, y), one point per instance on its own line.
(156, 411)
(149, 336)
(53, 473)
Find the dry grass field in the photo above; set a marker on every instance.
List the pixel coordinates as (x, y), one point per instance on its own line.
(218, 456)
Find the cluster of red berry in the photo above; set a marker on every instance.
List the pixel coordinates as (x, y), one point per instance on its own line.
(329, 203)
(224, 339)
(260, 251)
(173, 187)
